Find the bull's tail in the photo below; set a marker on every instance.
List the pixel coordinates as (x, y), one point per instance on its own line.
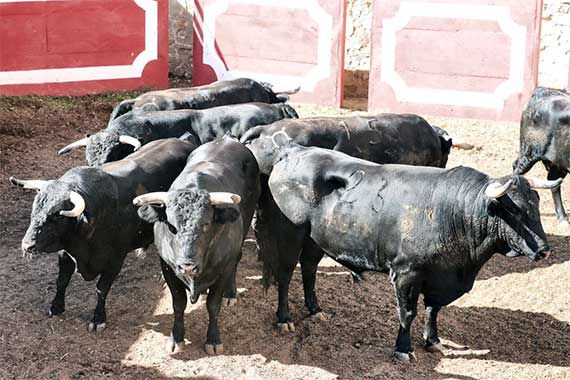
(266, 218)
(288, 111)
(279, 96)
(121, 109)
(267, 253)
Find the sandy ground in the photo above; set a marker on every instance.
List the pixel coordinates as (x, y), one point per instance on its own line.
(516, 320)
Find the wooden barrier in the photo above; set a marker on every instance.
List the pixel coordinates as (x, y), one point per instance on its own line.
(463, 58)
(286, 43)
(82, 46)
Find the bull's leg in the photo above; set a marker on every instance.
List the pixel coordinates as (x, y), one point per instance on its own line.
(284, 321)
(230, 290)
(214, 344)
(310, 258)
(279, 245)
(554, 172)
(407, 293)
(289, 245)
(179, 301)
(66, 270)
(431, 337)
(98, 323)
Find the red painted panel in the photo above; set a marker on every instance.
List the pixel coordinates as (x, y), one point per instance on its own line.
(93, 34)
(276, 43)
(452, 60)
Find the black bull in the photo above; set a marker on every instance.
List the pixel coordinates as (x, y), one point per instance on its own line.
(221, 93)
(431, 229)
(199, 227)
(88, 213)
(545, 136)
(385, 138)
(134, 129)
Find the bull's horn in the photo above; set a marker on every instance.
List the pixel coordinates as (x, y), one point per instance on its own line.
(221, 198)
(537, 183)
(458, 144)
(78, 205)
(496, 190)
(157, 198)
(124, 139)
(288, 91)
(74, 145)
(36, 184)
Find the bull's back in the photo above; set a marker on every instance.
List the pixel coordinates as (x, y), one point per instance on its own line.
(153, 168)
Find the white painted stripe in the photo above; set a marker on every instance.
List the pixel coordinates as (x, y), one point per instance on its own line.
(79, 74)
(307, 82)
(500, 14)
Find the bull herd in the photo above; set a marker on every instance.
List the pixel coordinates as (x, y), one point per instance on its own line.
(191, 169)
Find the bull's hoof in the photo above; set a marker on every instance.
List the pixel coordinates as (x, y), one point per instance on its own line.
(228, 302)
(97, 327)
(55, 310)
(438, 348)
(174, 347)
(214, 349)
(405, 357)
(288, 326)
(320, 316)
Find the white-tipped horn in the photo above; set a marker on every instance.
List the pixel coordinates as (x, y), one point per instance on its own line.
(156, 198)
(537, 183)
(124, 139)
(496, 190)
(222, 198)
(36, 184)
(78, 205)
(458, 144)
(74, 145)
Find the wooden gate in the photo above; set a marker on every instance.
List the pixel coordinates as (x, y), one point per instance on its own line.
(464, 58)
(286, 43)
(82, 46)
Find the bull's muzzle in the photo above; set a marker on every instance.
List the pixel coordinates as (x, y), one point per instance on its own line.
(543, 253)
(28, 246)
(188, 269)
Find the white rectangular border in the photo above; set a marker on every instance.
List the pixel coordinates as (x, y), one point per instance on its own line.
(80, 74)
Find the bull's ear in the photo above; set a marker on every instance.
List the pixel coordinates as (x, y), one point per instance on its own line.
(224, 215)
(152, 214)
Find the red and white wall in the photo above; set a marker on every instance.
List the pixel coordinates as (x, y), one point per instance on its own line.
(73, 47)
(463, 58)
(293, 43)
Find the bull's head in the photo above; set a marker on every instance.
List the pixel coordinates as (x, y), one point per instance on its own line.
(265, 147)
(515, 205)
(58, 212)
(104, 147)
(187, 224)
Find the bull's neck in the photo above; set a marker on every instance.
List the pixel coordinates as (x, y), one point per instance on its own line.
(471, 229)
(483, 233)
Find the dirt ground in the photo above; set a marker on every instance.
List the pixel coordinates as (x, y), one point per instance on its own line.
(516, 320)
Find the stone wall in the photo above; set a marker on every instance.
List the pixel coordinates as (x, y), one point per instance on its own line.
(180, 34)
(554, 55)
(555, 44)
